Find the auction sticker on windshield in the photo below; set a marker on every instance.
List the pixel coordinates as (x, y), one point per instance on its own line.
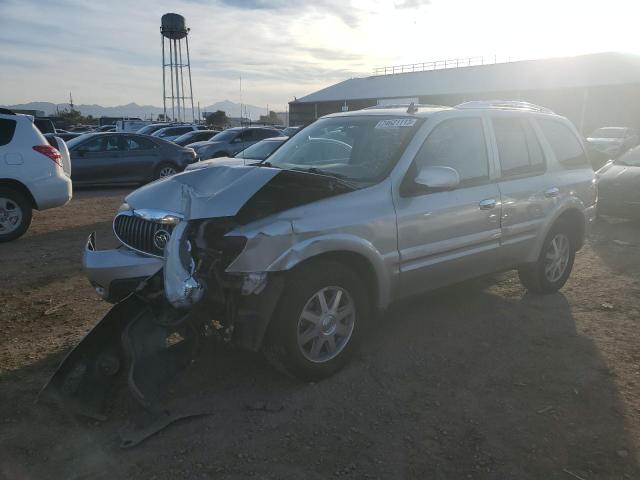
(396, 123)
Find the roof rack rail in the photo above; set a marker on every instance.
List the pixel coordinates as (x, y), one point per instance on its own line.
(403, 105)
(505, 105)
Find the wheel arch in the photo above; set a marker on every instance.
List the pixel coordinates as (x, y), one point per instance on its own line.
(355, 261)
(20, 187)
(355, 252)
(572, 214)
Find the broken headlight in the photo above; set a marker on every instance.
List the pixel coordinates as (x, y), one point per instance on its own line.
(181, 286)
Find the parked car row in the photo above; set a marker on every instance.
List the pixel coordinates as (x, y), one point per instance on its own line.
(125, 158)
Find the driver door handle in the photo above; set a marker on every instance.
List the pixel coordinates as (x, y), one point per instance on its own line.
(488, 204)
(552, 192)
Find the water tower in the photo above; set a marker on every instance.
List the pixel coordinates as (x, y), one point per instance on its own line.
(173, 31)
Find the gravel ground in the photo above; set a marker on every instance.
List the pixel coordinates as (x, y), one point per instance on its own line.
(475, 381)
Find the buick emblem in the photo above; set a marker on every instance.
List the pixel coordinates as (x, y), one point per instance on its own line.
(160, 239)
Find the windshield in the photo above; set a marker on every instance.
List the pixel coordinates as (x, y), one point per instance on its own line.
(149, 129)
(224, 136)
(360, 149)
(631, 158)
(260, 150)
(609, 133)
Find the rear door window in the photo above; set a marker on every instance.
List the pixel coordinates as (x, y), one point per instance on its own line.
(266, 133)
(104, 143)
(518, 147)
(249, 136)
(564, 144)
(138, 144)
(7, 129)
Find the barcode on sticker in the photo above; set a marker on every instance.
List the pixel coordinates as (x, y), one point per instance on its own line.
(396, 123)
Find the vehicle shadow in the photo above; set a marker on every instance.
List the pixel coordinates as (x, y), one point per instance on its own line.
(86, 191)
(617, 243)
(473, 381)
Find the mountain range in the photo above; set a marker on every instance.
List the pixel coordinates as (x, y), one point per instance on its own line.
(232, 109)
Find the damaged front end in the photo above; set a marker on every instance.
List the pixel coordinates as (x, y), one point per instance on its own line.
(175, 287)
(156, 331)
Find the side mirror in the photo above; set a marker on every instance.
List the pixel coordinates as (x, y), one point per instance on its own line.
(438, 178)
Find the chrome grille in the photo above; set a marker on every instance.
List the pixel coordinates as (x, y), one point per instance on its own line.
(139, 234)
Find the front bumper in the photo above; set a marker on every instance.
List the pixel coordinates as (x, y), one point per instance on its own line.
(116, 273)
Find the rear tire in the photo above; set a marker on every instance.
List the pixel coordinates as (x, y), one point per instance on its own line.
(165, 170)
(554, 265)
(15, 214)
(310, 338)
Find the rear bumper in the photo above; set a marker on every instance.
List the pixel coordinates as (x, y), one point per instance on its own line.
(54, 191)
(116, 273)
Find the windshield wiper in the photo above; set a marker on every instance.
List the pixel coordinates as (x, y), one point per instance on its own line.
(264, 163)
(319, 171)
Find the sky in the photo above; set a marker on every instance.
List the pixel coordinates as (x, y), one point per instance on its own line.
(109, 52)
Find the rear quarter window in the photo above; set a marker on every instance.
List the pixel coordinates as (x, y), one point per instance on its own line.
(7, 129)
(564, 143)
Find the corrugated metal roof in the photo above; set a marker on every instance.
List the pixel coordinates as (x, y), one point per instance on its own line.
(566, 72)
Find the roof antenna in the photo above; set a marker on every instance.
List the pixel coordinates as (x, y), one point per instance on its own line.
(412, 108)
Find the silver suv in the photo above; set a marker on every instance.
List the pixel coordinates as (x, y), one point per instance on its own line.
(296, 254)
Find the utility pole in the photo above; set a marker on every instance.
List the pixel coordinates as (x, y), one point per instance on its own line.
(70, 101)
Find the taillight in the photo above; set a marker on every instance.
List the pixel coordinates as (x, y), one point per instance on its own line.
(49, 151)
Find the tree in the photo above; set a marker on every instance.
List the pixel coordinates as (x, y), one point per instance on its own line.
(271, 119)
(217, 119)
(71, 116)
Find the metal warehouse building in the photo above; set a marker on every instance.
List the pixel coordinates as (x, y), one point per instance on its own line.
(591, 90)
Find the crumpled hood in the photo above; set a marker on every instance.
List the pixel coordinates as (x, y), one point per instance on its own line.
(605, 140)
(217, 191)
(212, 162)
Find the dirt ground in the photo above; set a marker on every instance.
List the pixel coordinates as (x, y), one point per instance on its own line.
(476, 381)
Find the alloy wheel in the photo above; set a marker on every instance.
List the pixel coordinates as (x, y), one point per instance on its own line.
(11, 216)
(557, 257)
(167, 172)
(326, 324)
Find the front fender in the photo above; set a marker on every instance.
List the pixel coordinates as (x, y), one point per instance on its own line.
(312, 247)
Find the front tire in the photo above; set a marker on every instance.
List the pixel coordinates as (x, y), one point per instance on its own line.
(15, 214)
(318, 322)
(554, 265)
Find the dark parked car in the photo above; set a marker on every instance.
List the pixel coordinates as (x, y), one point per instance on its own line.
(291, 131)
(261, 150)
(69, 135)
(612, 141)
(149, 129)
(195, 136)
(232, 141)
(619, 186)
(127, 158)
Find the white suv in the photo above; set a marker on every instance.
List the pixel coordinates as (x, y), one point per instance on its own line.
(33, 174)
